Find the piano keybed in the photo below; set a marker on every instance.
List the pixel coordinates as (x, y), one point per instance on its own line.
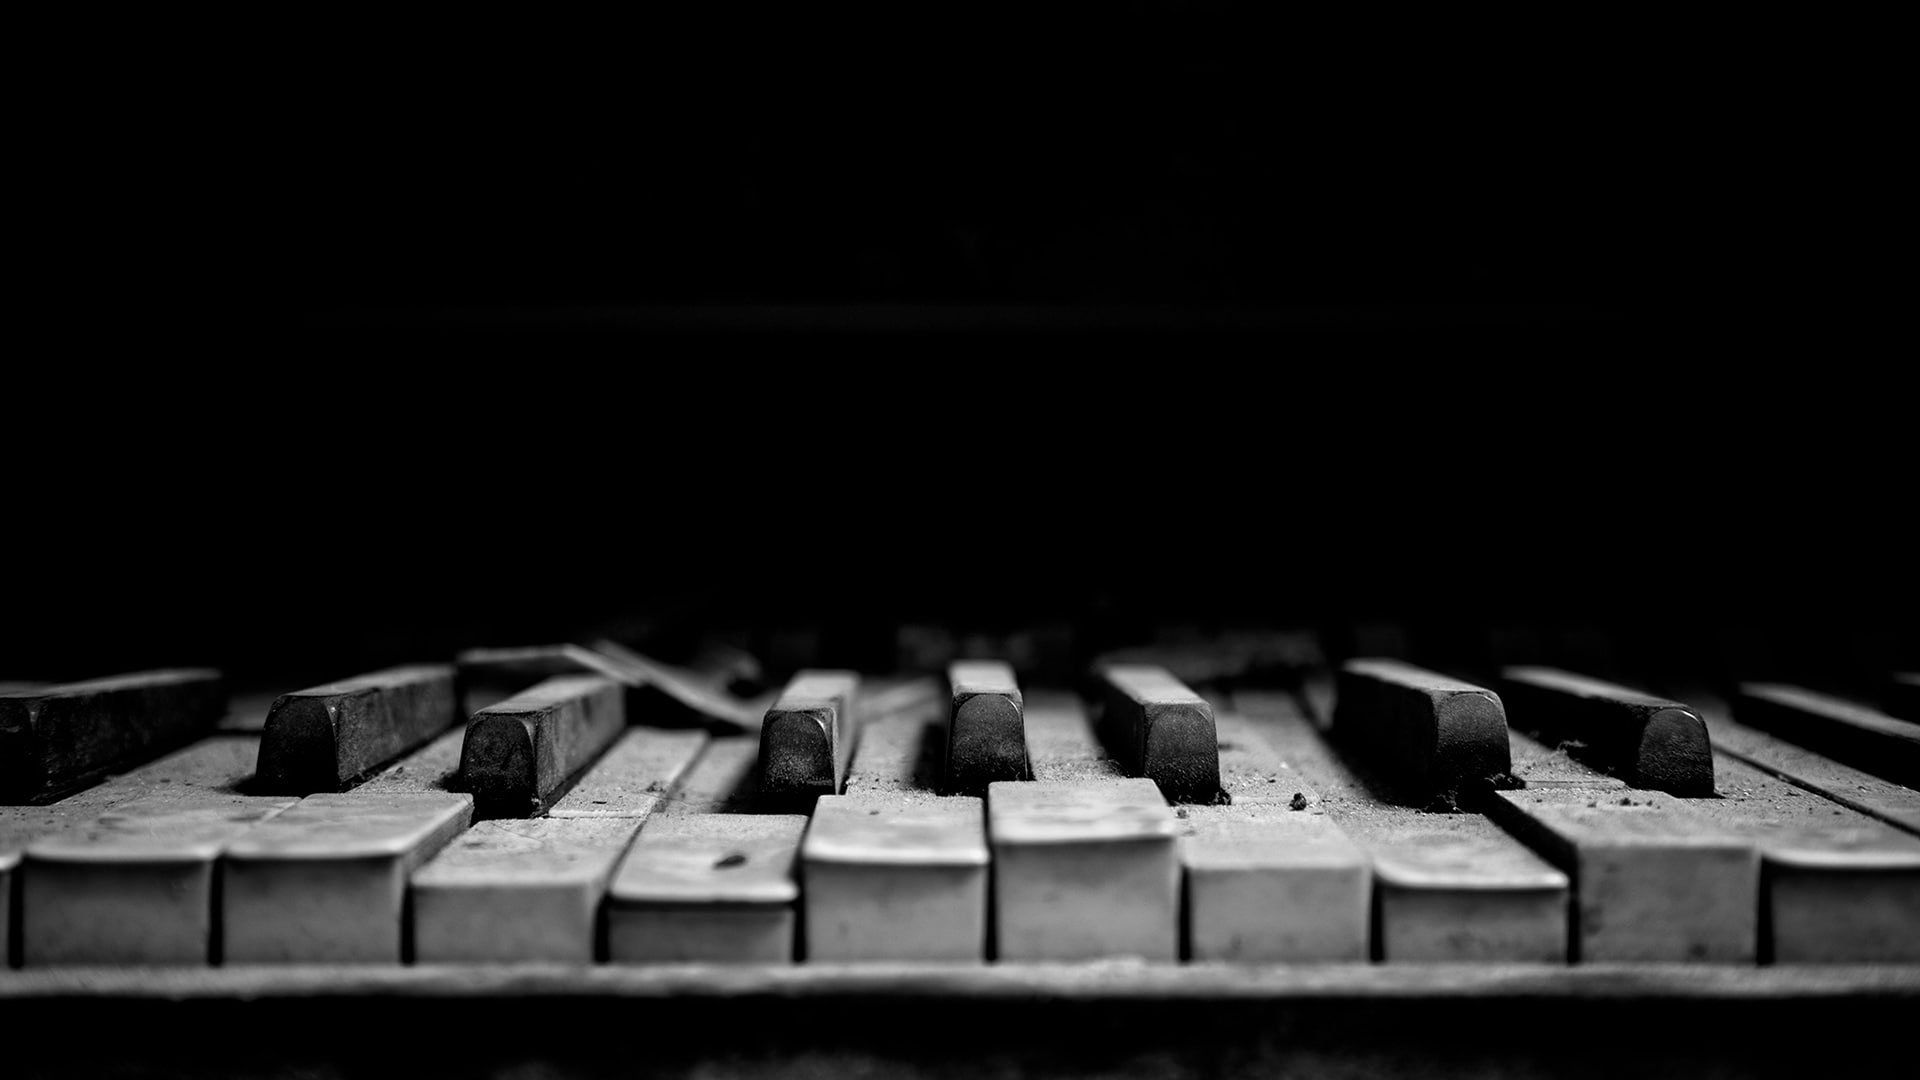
(1300, 886)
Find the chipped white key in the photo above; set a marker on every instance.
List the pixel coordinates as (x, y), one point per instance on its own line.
(326, 883)
(707, 888)
(1083, 870)
(1270, 877)
(896, 876)
(135, 885)
(631, 779)
(518, 890)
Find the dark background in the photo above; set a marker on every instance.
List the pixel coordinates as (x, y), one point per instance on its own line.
(437, 342)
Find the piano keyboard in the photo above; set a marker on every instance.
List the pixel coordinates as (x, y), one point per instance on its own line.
(1403, 840)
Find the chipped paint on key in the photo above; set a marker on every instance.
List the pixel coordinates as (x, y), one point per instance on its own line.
(707, 888)
(512, 891)
(136, 885)
(326, 881)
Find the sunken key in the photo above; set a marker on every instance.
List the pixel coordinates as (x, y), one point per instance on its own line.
(1442, 738)
(1649, 742)
(55, 738)
(326, 881)
(520, 753)
(807, 739)
(327, 737)
(1862, 737)
(1161, 730)
(986, 727)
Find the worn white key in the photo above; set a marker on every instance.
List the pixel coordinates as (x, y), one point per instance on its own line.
(1086, 863)
(135, 885)
(1841, 887)
(1447, 886)
(630, 780)
(707, 888)
(509, 890)
(1270, 877)
(1653, 882)
(892, 876)
(325, 882)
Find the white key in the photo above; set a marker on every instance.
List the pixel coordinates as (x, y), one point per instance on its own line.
(135, 885)
(707, 888)
(896, 876)
(1083, 870)
(517, 890)
(327, 882)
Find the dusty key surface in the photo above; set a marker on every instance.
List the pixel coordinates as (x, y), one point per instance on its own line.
(724, 779)
(433, 767)
(326, 737)
(518, 891)
(325, 882)
(630, 780)
(1653, 881)
(1444, 739)
(1270, 878)
(1449, 887)
(1160, 729)
(893, 877)
(520, 753)
(1893, 803)
(707, 888)
(135, 885)
(1647, 741)
(1861, 737)
(986, 727)
(1084, 870)
(55, 738)
(808, 736)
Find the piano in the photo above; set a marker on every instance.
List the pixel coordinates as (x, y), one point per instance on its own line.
(1208, 851)
(683, 414)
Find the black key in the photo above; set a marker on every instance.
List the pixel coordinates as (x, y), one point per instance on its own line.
(1855, 734)
(1159, 729)
(57, 738)
(1443, 738)
(328, 737)
(1650, 742)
